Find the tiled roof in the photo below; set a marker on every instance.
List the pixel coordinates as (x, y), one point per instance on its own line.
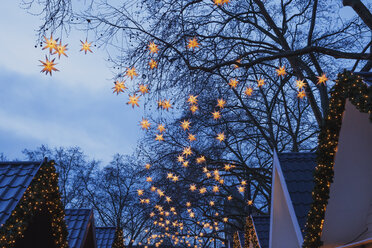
(262, 226)
(367, 77)
(15, 177)
(298, 170)
(105, 236)
(77, 221)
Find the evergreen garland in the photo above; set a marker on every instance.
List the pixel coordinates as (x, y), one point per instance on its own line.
(119, 239)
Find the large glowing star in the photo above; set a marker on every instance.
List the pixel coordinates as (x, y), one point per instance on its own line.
(220, 137)
(233, 83)
(192, 99)
(216, 115)
(145, 124)
(187, 151)
(85, 46)
(248, 91)
(300, 84)
(50, 43)
(185, 125)
(180, 159)
(143, 89)
(193, 43)
(301, 94)
(281, 71)
(133, 100)
(159, 137)
(48, 66)
(131, 72)
(119, 87)
(153, 64)
(221, 103)
(60, 49)
(322, 79)
(153, 47)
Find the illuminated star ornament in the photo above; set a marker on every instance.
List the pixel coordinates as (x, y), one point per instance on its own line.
(159, 137)
(48, 66)
(50, 43)
(248, 91)
(119, 87)
(281, 71)
(260, 82)
(300, 84)
(192, 99)
(216, 115)
(220, 137)
(185, 125)
(233, 83)
(153, 47)
(85, 46)
(161, 128)
(322, 79)
(131, 72)
(153, 64)
(301, 94)
(145, 124)
(193, 43)
(60, 50)
(166, 105)
(143, 89)
(133, 100)
(221, 103)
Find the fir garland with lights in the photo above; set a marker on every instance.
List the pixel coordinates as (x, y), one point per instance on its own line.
(42, 193)
(348, 86)
(236, 241)
(119, 239)
(250, 234)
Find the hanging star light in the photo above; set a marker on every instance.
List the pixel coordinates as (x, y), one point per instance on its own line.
(160, 103)
(281, 71)
(301, 94)
(193, 187)
(191, 137)
(322, 79)
(185, 125)
(145, 124)
(187, 151)
(200, 160)
(248, 91)
(185, 164)
(215, 189)
(221, 103)
(159, 137)
(147, 166)
(143, 89)
(133, 100)
(300, 84)
(192, 99)
(229, 198)
(148, 179)
(161, 128)
(241, 189)
(153, 47)
(119, 87)
(60, 49)
(180, 159)
(194, 108)
(169, 175)
(48, 66)
(260, 82)
(153, 64)
(166, 105)
(211, 203)
(50, 43)
(85, 46)
(233, 83)
(216, 115)
(220, 137)
(175, 178)
(227, 167)
(168, 199)
(193, 43)
(140, 192)
(202, 190)
(131, 72)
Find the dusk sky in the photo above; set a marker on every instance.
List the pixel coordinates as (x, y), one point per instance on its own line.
(74, 107)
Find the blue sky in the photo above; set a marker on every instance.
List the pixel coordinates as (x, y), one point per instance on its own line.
(73, 107)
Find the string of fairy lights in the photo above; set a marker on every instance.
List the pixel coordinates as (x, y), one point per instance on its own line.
(165, 216)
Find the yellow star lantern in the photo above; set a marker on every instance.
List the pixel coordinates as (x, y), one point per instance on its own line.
(153, 47)
(194, 108)
(148, 179)
(220, 137)
(185, 164)
(248, 91)
(48, 66)
(227, 167)
(211, 203)
(145, 124)
(202, 190)
(300, 84)
(193, 43)
(229, 198)
(225, 219)
(185, 125)
(188, 204)
(161, 128)
(260, 82)
(216, 115)
(140, 192)
(200, 160)
(159, 137)
(233, 83)
(119, 87)
(221, 103)
(281, 71)
(215, 189)
(147, 166)
(168, 199)
(192, 99)
(241, 189)
(60, 50)
(153, 188)
(169, 175)
(192, 187)
(180, 159)
(133, 100)
(143, 89)
(131, 72)
(301, 94)
(166, 105)
(187, 151)
(175, 178)
(85, 46)
(191, 137)
(153, 64)
(322, 79)
(50, 43)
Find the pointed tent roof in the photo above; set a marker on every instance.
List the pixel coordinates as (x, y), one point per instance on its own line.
(105, 236)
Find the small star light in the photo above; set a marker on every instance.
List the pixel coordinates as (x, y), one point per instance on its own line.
(248, 91)
(322, 79)
(145, 124)
(192, 187)
(229, 198)
(192, 99)
(147, 166)
(168, 199)
(161, 128)
(194, 108)
(301, 94)
(200, 160)
(153, 47)
(300, 84)
(148, 179)
(221, 103)
(85, 46)
(233, 83)
(119, 87)
(169, 175)
(185, 164)
(220, 137)
(153, 64)
(202, 190)
(159, 137)
(215, 189)
(281, 71)
(250, 202)
(133, 100)
(140, 192)
(50, 43)
(185, 125)
(227, 167)
(153, 188)
(60, 50)
(180, 159)
(211, 203)
(48, 66)
(225, 219)
(193, 43)
(241, 189)
(187, 151)
(143, 89)
(166, 105)
(131, 72)
(260, 82)
(191, 137)
(216, 115)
